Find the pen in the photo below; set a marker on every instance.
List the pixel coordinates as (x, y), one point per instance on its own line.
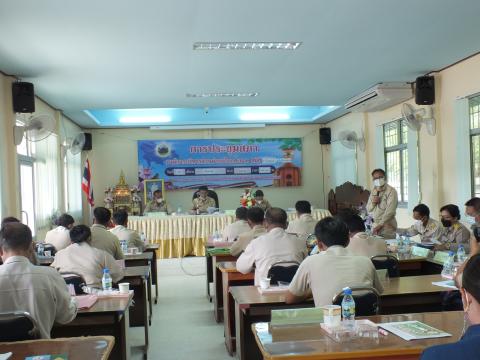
(382, 331)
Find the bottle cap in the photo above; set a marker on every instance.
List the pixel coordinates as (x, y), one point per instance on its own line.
(347, 291)
(106, 271)
(451, 253)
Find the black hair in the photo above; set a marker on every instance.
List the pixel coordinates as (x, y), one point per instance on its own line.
(354, 222)
(241, 213)
(276, 216)
(331, 231)
(452, 209)
(255, 215)
(15, 236)
(471, 277)
(80, 233)
(259, 193)
(203, 187)
(475, 203)
(65, 220)
(102, 215)
(120, 217)
(303, 207)
(422, 209)
(9, 219)
(157, 191)
(380, 171)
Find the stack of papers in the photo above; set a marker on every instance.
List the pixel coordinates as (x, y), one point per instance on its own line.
(296, 316)
(273, 290)
(219, 251)
(413, 330)
(86, 301)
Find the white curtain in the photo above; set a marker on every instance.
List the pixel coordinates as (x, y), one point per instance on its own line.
(462, 149)
(73, 185)
(343, 164)
(46, 182)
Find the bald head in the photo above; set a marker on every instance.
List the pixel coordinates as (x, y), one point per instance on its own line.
(276, 217)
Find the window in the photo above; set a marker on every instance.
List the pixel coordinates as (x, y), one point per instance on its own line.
(474, 117)
(395, 138)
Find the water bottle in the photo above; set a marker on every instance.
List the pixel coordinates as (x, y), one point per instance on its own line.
(40, 249)
(400, 244)
(407, 244)
(447, 271)
(143, 237)
(368, 225)
(179, 210)
(461, 255)
(106, 280)
(348, 309)
(124, 246)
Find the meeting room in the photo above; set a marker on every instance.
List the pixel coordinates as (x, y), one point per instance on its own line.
(254, 180)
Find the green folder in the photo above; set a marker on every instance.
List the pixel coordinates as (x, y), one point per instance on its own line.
(440, 256)
(420, 251)
(296, 316)
(218, 251)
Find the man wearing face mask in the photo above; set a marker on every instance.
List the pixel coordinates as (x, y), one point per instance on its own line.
(472, 217)
(454, 233)
(202, 202)
(382, 204)
(468, 347)
(426, 227)
(157, 204)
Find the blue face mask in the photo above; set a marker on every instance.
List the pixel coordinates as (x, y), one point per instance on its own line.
(469, 219)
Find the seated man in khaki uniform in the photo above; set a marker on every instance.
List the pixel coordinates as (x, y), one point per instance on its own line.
(38, 290)
(424, 225)
(327, 273)
(60, 237)
(120, 219)
(304, 224)
(454, 232)
(261, 202)
(157, 204)
(255, 217)
(203, 201)
(382, 204)
(239, 226)
(82, 259)
(275, 246)
(102, 238)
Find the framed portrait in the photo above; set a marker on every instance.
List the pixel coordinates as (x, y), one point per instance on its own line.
(150, 186)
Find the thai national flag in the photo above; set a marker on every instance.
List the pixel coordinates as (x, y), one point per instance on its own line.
(86, 183)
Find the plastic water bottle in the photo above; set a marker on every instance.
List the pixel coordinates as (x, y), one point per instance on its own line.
(348, 309)
(447, 271)
(40, 249)
(407, 244)
(179, 210)
(106, 280)
(400, 245)
(368, 225)
(461, 255)
(124, 246)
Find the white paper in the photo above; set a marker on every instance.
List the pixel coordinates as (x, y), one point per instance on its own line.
(450, 284)
(5, 356)
(413, 330)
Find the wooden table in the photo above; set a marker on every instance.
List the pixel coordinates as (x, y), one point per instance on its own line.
(231, 277)
(106, 317)
(311, 343)
(217, 284)
(91, 347)
(210, 267)
(411, 293)
(143, 259)
(410, 265)
(153, 249)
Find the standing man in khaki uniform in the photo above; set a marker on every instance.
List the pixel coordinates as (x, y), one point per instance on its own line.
(203, 201)
(255, 217)
(102, 238)
(382, 204)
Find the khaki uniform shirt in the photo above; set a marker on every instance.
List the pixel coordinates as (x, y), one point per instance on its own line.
(262, 252)
(244, 239)
(154, 206)
(104, 240)
(202, 204)
(58, 237)
(87, 261)
(231, 231)
(264, 205)
(363, 244)
(455, 235)
(433, 230)
(130, 236)
(303, 225)
(384, 212)
(328, 272)
(38, 290)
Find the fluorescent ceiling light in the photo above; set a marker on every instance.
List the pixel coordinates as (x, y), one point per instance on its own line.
(251, 45)
(206, 126)
(144, 119)
(264, 116)
(223, 94)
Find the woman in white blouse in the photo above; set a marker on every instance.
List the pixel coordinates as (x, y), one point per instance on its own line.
(60, 236)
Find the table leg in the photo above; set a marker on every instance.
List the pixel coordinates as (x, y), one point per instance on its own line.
(145, 315)
(149, 292)
(218, 296)
(155, 274)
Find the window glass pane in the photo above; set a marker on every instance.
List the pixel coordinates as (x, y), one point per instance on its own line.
(27, 195)
(405, 175)
(475, 144)
(474, 109)
(393, 169)
(390, 133)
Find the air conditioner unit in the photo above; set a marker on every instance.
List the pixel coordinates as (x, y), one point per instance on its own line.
(380, 97)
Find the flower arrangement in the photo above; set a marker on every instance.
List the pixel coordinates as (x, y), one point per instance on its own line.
(247, 200)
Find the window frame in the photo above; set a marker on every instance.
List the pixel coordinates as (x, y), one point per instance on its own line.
(475, 132)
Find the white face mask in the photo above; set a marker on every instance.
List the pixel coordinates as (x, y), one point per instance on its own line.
(469, 219)
(160, 200)
(379, 182)
(259, 201)
(418, 222)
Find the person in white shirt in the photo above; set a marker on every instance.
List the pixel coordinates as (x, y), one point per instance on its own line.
(335, 267)
(424, 225)
(38, 290)
(120, 219)
(231, 231)
(102, 238)
(255, 217)
(304, 224)
(360, 242)
(275, 246)
(83, 259)
(60, 236)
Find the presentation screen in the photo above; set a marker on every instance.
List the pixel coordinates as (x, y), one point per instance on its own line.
(217, 163)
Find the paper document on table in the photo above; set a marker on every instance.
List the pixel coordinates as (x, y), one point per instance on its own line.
(86, 301)
(6, 356)
(446, 284)
(413, 330)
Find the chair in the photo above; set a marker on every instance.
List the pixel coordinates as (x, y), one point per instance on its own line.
(311, 242)
(18, 326)
(282, 271)
(366, 298)
(211, 194)
(388, 262)
(76, 280)
(46, 247)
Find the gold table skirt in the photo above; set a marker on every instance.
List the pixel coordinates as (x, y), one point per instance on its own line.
(186, 235)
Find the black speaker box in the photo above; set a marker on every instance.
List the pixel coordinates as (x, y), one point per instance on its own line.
(23, 97)
(325, 136)
(88, 142)
(425, 90)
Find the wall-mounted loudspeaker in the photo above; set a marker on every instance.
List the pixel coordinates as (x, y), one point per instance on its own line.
(88, 142)
(425, 90)
(325, 136)
(23, 97)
